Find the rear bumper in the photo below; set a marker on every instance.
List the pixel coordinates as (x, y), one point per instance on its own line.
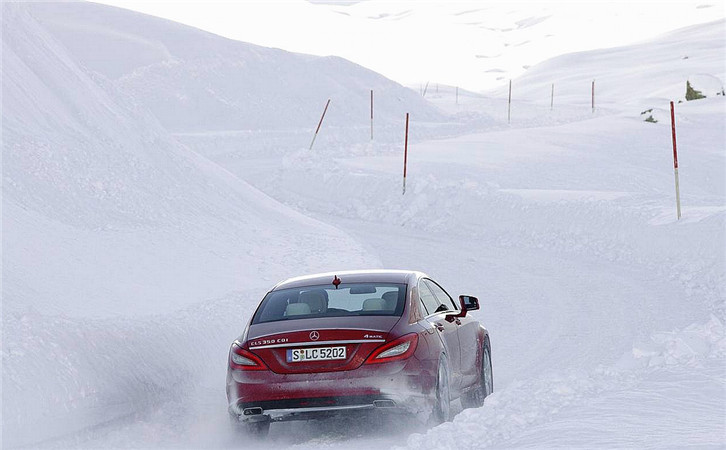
(256, 414)
(399, 386)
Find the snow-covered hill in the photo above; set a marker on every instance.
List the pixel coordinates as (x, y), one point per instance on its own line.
(106, 215)
(132, 254)
(195, 81)
(79, 159)
(652, 71)
(477, 45)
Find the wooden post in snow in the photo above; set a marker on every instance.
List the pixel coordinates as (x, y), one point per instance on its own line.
(425, 89)
(592, 96)
(319, 123)
(405, 156)
(675, 162)
(509, 103)
(371, 114)
(457, 95)
(552, 97)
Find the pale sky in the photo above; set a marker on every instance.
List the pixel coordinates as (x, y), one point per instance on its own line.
(476, 45)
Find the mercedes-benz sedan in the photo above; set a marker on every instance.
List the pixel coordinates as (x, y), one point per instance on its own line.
(357, 342)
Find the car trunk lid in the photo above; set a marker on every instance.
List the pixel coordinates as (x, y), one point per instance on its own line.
(290, 351)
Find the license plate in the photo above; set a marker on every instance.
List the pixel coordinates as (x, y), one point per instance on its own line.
(295, 355)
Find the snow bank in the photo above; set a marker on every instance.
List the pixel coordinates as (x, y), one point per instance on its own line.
(688, 346)
(63, 374)
(513, 415)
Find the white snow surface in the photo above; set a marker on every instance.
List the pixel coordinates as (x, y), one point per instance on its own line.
(140, 233)
(196, 81)
(473, 44)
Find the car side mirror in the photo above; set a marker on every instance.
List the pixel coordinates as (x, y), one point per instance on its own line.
(469, 302)
(465, 304)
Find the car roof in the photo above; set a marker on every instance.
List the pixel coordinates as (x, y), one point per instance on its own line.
(352, 276)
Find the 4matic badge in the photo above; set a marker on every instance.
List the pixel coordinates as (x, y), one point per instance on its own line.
(372, 336)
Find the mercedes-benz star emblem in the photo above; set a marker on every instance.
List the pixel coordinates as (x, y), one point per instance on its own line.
(314, 335)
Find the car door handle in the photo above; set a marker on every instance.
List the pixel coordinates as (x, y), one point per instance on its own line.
(439, 326)
(458, 322)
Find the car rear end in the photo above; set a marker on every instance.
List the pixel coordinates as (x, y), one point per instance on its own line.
(317, 350)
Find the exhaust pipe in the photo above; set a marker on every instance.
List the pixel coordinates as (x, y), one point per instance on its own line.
(384, 403)
(252, 411)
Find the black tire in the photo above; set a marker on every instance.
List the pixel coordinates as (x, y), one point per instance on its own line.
(489, 383)
(442, 406)
(475, 398)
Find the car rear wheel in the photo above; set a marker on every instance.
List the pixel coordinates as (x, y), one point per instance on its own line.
(475, 398)
(442, 406)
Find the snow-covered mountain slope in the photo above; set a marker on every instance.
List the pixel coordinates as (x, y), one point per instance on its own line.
(477, 45)
(105, 216)
(195, 81)
(487, 43)
(629, 80)
(638, 74)
(79, 159)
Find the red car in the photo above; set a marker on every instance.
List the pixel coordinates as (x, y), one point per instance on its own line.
(361, 341)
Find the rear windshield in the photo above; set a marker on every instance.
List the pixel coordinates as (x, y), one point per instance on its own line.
(353, 299)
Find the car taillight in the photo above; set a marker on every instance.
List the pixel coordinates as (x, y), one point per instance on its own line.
(395, 350)
(242, 359)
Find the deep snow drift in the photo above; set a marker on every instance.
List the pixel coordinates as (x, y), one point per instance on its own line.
(132, 255)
